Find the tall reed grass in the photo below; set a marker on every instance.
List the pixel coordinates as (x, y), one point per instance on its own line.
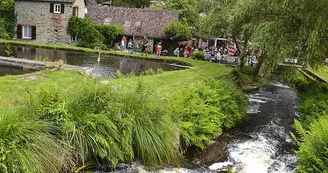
(27, 145)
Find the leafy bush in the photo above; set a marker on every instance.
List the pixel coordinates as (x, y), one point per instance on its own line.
(154, 135)
(105, 125)
(312, 134)
(86, 32)
(86, 125)
(202, 109)
(312, 155)
(177, 31)
(110, 33)
(7, 19)
(3, 32)
(198, 55)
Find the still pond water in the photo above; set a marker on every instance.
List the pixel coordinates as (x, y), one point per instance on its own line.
(107, 66)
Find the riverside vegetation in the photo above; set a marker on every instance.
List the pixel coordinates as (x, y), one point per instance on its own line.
(312, 130)
(62, 121)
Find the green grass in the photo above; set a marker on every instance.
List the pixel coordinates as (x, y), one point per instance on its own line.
(130, 118)
(14, 89)
(322, 71)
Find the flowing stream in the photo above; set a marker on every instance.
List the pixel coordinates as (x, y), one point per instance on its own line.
(263, 144)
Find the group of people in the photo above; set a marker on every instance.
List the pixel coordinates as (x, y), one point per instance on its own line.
(183, 50)
(133, 46)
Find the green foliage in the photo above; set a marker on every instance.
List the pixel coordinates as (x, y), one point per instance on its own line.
(177, 31)
(41, 58)
(105, 125)
(311, 135)
(110, 33)
(152, 146)
(86, 32)
(149, 71)
(87, 126)
(7, 19)
(3, 32)
(27, 145)
(198, 55)
(204, 108)
(119, 74)
(160, 70)
(187, 9)
(312, 155)
(8, 50)
(131, 3)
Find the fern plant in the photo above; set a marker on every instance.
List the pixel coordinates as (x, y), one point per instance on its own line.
(313, 143)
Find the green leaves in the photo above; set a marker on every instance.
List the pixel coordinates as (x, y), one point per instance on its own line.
(204, 108)
(177, 31)
(314, 148)
(86, 32)
(110, 33)
(7, 19)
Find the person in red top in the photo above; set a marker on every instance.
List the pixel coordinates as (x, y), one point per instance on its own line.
(159, 49)
(189, 51)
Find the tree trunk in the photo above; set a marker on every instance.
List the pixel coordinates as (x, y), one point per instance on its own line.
(258, 66)
(243, 54)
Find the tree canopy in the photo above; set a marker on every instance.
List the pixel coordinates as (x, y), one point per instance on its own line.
(128, 3)
(278, 29)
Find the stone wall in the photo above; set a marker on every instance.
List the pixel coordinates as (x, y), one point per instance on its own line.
(81, 5)
(50, 27)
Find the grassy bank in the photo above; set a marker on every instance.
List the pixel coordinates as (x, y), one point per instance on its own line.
(312, 129)
(322, 71)
(151, 118)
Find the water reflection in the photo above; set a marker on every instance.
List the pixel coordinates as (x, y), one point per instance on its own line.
(11, 71)
(107, 66)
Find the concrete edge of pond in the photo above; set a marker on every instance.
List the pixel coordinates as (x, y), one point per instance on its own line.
(22, 63)
(39, 65)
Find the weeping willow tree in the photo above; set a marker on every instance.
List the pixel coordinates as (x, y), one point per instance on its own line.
(290, 29)
(278, 29)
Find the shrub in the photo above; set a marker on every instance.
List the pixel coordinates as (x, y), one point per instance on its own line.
(105, 125)
(198, 55)
(86, 32)
(202, 109)
(313, 143)
(110, 33)
(177, 31)
(153, 133)
(86, 125)
(27, 145)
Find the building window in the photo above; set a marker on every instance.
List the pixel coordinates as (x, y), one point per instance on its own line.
(74, 38)
(76, 11)
(27, 32)
(57, 8)
(127, 23)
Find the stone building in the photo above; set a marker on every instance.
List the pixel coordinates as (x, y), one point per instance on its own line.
(137, 23)
(46, 21)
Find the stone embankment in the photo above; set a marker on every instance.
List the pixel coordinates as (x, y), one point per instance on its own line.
(40, 65)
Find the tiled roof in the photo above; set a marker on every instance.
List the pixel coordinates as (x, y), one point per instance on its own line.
(135, 21)
(90, 2)
(87, 2)
(65, 1)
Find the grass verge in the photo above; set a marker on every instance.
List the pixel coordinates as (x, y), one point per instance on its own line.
(151, 118)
